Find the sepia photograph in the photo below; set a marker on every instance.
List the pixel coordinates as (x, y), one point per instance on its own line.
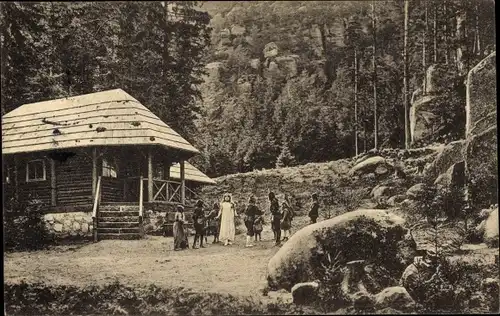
(249, 157)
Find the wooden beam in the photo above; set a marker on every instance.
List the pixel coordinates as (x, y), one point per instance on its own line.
(53, 183)
(183, 183)
(150, 175)
(94, 172)
(16, 179)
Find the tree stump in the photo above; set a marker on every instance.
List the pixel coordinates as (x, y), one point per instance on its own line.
(353, 277)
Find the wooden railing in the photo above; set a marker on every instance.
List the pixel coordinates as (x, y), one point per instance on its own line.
(97, 199)
(166, 191)
(163, 190)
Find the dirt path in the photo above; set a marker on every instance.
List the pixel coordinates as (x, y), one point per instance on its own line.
(232, 269)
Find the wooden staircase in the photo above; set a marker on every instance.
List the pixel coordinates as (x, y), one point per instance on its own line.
(115, 221)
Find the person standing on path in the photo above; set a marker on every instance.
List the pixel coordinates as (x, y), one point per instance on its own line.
(180, 233)
(251, 213)
(276, 217)
(313, 214)
(227, 214)
(199, 223)
(286, 222)
(213, 222)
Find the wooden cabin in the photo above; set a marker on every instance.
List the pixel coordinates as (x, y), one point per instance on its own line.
(100, 153)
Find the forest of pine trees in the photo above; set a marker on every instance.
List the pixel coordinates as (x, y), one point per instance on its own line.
(358, 64)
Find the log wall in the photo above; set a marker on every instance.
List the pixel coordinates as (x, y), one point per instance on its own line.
(74, 180)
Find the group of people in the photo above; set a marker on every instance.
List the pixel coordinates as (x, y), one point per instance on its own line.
(220, 221)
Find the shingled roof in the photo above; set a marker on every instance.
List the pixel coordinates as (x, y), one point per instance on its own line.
(104, 118)
(191, 173)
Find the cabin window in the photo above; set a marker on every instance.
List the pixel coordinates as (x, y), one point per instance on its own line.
(109, 168)
(35, 171)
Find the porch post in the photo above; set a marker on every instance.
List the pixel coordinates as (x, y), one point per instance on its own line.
(53, 183)
(150, 175)
(94, 172)
(183, 183)
(16, 180)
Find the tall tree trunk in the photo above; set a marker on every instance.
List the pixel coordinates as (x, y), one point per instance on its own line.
(435, 33)
(375, 114)
(405, 78)
(356, 100)
(445, 33)
(424, 39)
(478, 39)
(165, 52)
(460, 36)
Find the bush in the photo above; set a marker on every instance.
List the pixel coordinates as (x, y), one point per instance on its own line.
(119, 299)
(457, 287)
(24, 226)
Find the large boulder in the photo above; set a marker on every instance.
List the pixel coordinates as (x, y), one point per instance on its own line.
(237, 30)
(395, 297)
(396, 199)
(481, 100)
(305, 293)
(382, 191)
(415, 190)
(371, 165)
(491, 229)
(366, 234)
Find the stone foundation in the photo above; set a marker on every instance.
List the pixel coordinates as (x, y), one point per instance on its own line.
(73, 224)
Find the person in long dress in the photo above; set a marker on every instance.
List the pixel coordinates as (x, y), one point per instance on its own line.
(180, 234)
(286, 221)
(227, 214)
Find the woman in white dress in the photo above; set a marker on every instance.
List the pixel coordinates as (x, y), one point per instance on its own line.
(227, 214)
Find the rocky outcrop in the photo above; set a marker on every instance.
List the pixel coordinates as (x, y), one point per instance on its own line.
(270, 50)
(481, 130)
(359, 235)
(447, 157)
(431, 106)
(491, 229)
(454, 177)
(73, 224)
(481, 100)
(214, 71)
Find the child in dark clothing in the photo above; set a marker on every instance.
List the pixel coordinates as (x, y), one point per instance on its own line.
(314, 213)
(257, 227)
(199, 223)
(213, 223)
